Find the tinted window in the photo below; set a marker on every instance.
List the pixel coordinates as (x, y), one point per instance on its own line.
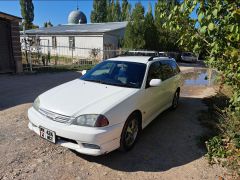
(175, 67)
(117, 73)
(162, 70)
(187, 54)
(167, 71)
(154, 72)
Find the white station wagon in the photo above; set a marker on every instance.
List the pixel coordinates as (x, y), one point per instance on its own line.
(107, 108)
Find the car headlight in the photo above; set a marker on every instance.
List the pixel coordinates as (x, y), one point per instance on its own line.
(91, 120)
(36, 103)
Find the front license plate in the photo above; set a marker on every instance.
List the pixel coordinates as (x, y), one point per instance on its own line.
(47, 134)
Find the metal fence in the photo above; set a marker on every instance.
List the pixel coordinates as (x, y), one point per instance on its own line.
(36, 55)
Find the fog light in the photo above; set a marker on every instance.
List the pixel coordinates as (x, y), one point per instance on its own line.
(90, 146)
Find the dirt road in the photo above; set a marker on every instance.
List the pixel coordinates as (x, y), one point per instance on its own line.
(168, 147)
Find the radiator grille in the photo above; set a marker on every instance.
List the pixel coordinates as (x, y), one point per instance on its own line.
(55, 116)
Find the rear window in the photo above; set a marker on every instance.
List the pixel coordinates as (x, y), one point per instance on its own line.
(187, 54)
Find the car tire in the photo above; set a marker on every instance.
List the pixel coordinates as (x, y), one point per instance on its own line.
(175, 101)
(130, 132)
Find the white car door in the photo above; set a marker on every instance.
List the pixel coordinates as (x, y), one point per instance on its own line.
(153, 98)
(171, 80)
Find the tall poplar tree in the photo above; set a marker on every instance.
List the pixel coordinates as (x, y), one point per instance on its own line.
(117, 12)
(110, 9)
(151, 33)
(167, 39)
(47, 24)
(126, 10)
(27, 12)
(135, 30)
(99, 12)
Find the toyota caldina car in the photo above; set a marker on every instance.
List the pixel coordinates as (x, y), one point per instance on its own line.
(107, 107)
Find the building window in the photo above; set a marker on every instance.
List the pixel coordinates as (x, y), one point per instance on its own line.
(54, 42)
(71, 42)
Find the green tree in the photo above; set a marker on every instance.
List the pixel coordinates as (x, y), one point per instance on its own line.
(47, 24)
(217, 31)
(135, 30)
(126, 10)
(167, 38)
(117, 12)
(99, 12)
(151, 34)
(27, 12)
(110, 10)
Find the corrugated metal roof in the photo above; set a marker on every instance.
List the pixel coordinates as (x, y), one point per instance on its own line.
(79, 28)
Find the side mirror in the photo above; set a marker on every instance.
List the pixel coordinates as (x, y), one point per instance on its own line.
(84, 72)
(155, 82)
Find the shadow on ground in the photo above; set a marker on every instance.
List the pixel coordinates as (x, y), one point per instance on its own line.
(20, 89)
(171, 140)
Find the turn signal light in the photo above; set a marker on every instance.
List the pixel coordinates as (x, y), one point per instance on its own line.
(101, 121)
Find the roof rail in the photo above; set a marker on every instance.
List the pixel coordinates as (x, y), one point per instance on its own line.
(140, 53)
(151, 58)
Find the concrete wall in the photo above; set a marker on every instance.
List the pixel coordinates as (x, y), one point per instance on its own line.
(107, 43)
(83, 45)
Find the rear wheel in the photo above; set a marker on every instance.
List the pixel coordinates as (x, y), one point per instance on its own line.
(175, 99)
(130, 132)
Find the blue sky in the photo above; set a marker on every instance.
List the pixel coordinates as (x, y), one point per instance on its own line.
(56, 11)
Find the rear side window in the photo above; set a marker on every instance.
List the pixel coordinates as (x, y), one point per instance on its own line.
(170, 68)
(163, 70)
(166, 70)
(175, 67)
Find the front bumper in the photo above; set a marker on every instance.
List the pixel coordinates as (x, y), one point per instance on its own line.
(107, 138)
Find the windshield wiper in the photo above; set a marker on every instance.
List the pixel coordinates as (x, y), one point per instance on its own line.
(109, 83)
(118, 84)
(94, 80)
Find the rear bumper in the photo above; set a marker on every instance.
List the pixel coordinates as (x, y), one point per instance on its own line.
(108, 139)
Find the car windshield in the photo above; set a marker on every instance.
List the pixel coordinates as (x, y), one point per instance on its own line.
(117, 73)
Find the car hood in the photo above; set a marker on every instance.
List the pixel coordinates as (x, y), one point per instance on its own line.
(82, 97)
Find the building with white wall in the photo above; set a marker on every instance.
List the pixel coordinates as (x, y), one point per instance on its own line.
(77, 38)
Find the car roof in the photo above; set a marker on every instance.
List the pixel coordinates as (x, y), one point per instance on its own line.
(138, 59)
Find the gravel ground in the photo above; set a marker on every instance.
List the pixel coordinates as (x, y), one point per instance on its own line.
(167, 149)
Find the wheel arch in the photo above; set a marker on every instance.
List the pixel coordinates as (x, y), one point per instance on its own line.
(178, 89)
(139, 114)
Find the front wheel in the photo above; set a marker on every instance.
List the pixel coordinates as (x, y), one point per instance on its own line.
(175, 100)
(130, 133)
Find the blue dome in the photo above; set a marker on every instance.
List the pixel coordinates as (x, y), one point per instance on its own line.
(77, 17)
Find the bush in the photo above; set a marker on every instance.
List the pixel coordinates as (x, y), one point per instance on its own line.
(223, 140)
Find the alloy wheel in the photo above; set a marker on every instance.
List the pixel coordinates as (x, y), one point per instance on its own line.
(131, 132)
